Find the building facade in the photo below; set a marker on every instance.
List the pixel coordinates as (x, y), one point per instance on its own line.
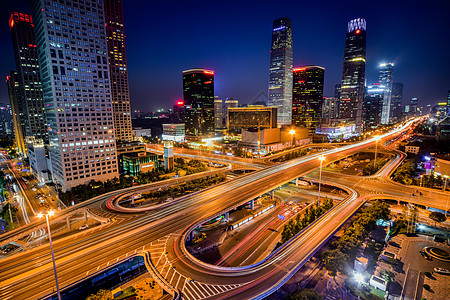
(373, 106)
(73, 59)
(353, 72)
(307, 97)
(396, 102)
(280, 74)
(251, 117)
(330, 108)
(218, 113)
(6, 121)
(31, 110)
(173, 132)
(12, 82)
(118, 69)
(198, 94)
(385, 77)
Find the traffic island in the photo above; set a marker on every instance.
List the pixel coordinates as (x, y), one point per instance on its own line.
(438, 253)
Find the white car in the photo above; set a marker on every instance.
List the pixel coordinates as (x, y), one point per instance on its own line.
(83, 227)
(441, 270)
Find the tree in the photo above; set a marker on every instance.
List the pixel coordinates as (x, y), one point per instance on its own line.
(388, 275)
(305, 294)
(101, 295)
(437, 217)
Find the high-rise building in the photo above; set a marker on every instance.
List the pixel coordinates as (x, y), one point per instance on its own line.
(414, 107)
(15, 99)
(396, 102)
(307, 96)
(73, 57)
(218, 113)
(385, 77)
(118, 69)
(28, 75)
(373, 106)
(198, 94)
(353, 72)
(280, 75)
(448, 102)
(6, 121)
(229, 103)
(330, 108)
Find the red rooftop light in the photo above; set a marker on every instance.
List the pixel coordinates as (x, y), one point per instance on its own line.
(299, 69)
(358, 31)
(208, 72)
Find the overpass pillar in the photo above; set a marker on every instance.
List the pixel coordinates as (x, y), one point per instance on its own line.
(132, 199)
(191, 236)
(272, 194)
(68, 223)
(296, 181)
(85, 216)
(227, 216)
(252, 204)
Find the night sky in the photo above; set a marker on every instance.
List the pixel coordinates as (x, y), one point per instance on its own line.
(233, 39)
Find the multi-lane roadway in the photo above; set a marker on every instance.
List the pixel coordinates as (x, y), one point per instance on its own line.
(29, 275)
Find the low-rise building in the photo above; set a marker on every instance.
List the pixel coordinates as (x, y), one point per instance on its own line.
(253, 116)
(174, 132)
(378, 283)
(38, 160)
(413, 148)
(138, 131)
(442, 165)
(135, 163)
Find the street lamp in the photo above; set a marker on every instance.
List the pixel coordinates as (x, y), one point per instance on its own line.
(292, 131)
(47, 215)
(377, 138)
(321, 158)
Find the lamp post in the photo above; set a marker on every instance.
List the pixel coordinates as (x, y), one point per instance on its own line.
(377, 138)
(292, 132)
(321, 158)
(47, 215)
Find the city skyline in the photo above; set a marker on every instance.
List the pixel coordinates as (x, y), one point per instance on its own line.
(317, 42)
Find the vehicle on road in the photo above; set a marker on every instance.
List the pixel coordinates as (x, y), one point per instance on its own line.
(426, 255)
(442, 271)
(84, 227)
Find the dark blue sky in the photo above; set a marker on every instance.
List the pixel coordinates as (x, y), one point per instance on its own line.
(233, 38)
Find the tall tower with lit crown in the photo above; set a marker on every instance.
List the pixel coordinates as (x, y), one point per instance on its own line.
(280, 74)
(353, 72)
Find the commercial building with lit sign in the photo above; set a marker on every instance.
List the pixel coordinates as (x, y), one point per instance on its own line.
(442, 165)
(198, 96)
(136, 163)
(336, 132)
(173, 132)
(38, 160)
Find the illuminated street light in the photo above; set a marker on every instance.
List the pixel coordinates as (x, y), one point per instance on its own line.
(377, 138)
(47, 215)
(292, 132)
(321, 158)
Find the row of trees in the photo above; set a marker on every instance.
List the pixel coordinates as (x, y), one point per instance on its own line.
(187, 187)
(370, 169)
(95, 188)
(405, 173)
(293, 154)
(344, 251)
(311, 213)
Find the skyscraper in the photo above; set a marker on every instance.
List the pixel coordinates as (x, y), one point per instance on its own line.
(15, 99)
(307, 96)
(413, 107)
(118, 69)
(198, 94)
(385, 77)
(229, 103)
(396, 102)
(280, 75)
(373, 106)
(31, 110)
(353, 72)
(6, 121)
(73, 57)
(448, 102)
(330, 108)
(218, 113)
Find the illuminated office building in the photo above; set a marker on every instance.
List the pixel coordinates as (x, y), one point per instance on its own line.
(396, 102)
(118, 69)
(307, 96)
(31, 109)
(280, 75)
(330, 108)
(73, 58)
(253, 116)
(198, 94)
(385, 77)
(373, 106)
(12, 82)
(218, 113)
(353, 72)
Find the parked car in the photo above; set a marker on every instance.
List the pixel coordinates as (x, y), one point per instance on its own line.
(426, 255)
(442, 271)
